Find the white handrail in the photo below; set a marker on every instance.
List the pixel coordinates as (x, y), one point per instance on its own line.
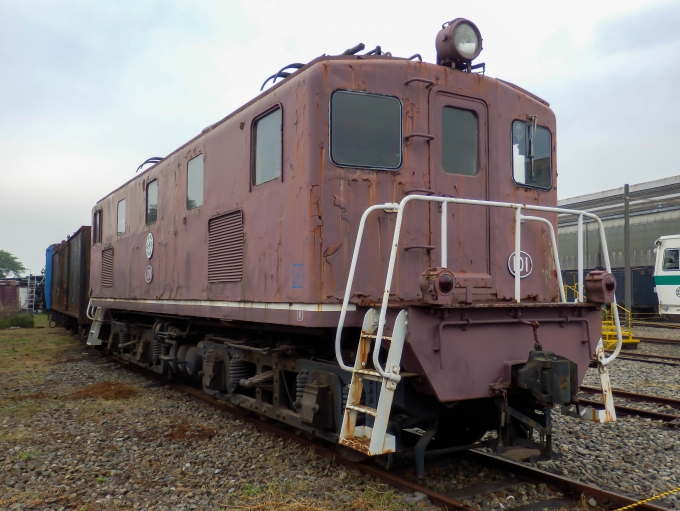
(556, 256)
(399, 209)
(350, 279)
(579, 265)
(87, 311)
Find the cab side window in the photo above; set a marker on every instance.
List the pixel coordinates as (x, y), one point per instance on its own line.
(195, 182)
(459, 141)
(531, 156)
(267, 139)
(670, 259)
(97, 227)
(121, 217)
(151, 202)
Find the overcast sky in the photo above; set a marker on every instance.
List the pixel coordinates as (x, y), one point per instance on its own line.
(89, 90)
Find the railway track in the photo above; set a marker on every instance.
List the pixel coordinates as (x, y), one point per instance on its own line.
(656, 340)
(632, 396)
(650, 358)
(656, 324)
(575, 493)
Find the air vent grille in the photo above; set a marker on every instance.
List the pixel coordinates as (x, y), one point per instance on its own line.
(225, 247)
(107, 267)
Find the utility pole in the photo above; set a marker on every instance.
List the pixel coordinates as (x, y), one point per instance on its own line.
(626, 247)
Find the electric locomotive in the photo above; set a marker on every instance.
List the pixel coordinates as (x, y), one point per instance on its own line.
(365, 251)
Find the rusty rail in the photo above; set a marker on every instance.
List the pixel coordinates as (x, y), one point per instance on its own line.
(632, 396)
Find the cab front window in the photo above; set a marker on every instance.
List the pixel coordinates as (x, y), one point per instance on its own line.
(459, 141)
(531, 156)
(365, 130)
(671, 259)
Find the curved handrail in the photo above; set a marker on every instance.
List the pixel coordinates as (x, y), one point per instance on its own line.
(87, 311)
(350, 279)
(399, 209)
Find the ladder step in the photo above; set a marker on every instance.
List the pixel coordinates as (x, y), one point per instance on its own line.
(371, 336)
(369, 374)
(363, 409)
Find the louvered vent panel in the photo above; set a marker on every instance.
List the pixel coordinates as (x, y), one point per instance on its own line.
(225, 248)
(107, 267)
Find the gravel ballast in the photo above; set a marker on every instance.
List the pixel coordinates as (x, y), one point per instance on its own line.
(88, 434)
(635, 456)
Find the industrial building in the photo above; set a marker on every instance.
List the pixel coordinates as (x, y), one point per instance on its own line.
(653, 210)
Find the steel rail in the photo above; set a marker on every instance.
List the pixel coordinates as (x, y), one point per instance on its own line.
(656, 324)
(650, 360)
(628, 410)
(632, 396)
(569, 486)
(651, 355)
(532, 474)
(658, 340)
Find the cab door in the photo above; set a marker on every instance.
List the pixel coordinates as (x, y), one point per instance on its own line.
(459, 168)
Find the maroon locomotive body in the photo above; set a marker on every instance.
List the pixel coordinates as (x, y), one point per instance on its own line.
(229, 259)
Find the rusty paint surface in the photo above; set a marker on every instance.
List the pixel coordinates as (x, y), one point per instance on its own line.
(9, 296)
(361, 445)
(310, 216)
(71, 275)
(465, 362)
(607, 396)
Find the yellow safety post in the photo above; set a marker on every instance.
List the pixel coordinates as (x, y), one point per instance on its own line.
(609, 328)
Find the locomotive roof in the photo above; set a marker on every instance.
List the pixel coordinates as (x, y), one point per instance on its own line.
(296, 75)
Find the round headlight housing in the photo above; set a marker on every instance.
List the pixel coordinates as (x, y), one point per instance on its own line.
(609, 284)
(458, 42)
(465, 40)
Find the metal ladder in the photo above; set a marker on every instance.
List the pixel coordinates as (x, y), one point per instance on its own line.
(366, 439)
(97, 321)
(30, 298)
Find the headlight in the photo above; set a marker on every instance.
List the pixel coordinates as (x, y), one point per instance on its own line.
(466, 40)
(458, 42)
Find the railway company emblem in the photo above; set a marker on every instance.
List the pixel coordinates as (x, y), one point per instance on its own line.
(677, 292)
(148, 274)
(525, 264)
(149, 246)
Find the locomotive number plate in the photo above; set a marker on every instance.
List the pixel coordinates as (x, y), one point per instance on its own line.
(149, 245)
(525, 264)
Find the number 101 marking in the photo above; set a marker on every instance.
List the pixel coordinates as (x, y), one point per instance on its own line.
(525, 264)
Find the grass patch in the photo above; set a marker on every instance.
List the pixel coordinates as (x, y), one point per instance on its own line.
(18, 319)
(381, 499)
(35, 349)
(282, 498)
(29, 455)
(20, 409)
(250, 490)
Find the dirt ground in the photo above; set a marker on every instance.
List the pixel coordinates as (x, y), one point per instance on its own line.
(79, 432)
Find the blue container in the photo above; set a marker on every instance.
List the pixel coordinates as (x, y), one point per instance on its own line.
(48, 276)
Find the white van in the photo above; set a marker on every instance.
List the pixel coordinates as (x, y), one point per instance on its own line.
(667, 275)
